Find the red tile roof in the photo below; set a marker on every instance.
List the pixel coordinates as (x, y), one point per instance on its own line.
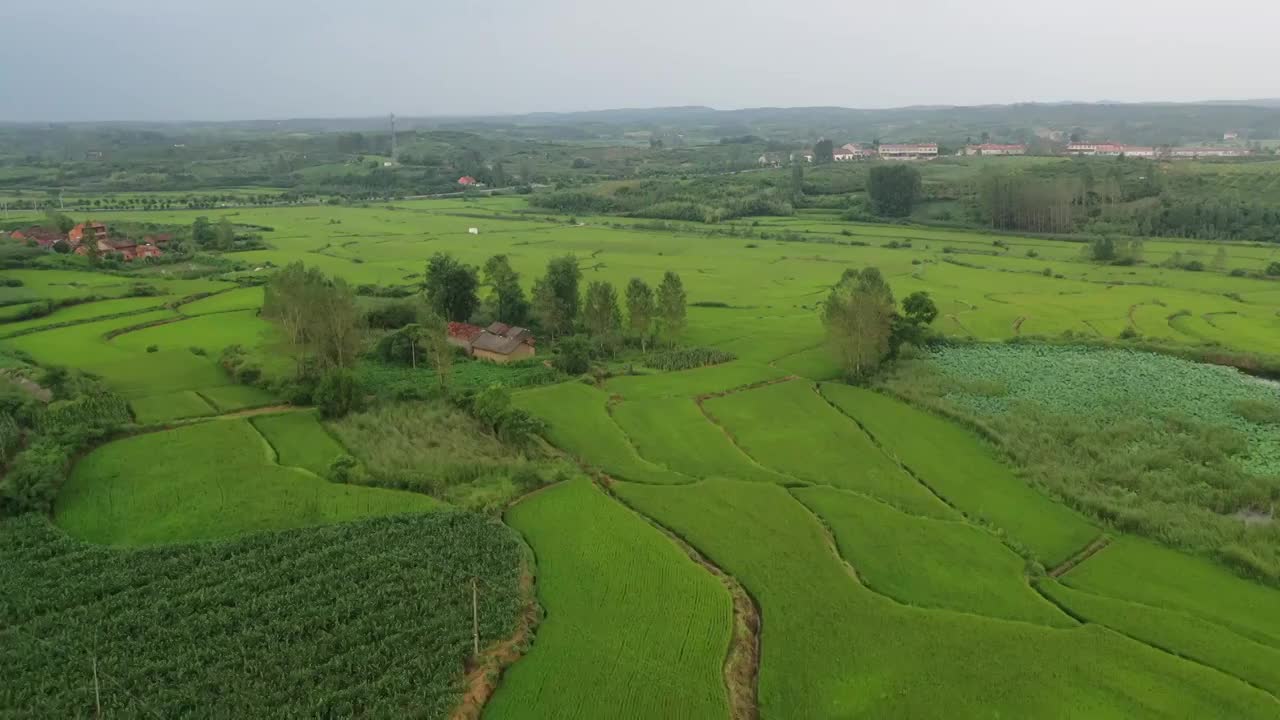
(464, 331)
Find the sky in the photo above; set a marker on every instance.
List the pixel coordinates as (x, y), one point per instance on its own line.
(71, 60)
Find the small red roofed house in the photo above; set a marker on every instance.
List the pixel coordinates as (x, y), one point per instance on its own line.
(467, 181)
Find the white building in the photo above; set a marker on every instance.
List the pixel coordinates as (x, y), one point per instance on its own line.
(909, 151)
(1207, 152)
(993, 149)
(1110, 149)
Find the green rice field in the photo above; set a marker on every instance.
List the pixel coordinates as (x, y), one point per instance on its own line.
(894, 550)
(606, 574)
(203, 481)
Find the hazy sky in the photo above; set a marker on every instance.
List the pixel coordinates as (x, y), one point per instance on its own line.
(241, 59)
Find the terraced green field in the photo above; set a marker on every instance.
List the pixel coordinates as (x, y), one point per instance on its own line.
(657, 626)
(170, 406)
(927, 562)
(957, 465)
(579, 422)
(299, 441)
(1204, 642)
(675, 434)
(787, 427)
(208, 480)
(882, 659)
(229, 398)
(1140, 571)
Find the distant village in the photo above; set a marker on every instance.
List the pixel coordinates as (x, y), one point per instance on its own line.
(929, 150)
(81, 238)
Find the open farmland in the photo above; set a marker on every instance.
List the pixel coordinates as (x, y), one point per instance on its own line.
(890, 660)
(627, 612)
(209, 480)
(787, 427)
(908, 552)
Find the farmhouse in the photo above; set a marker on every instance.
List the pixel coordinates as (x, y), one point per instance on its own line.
(500, 342)
(467, 181)
(909, 151)
(503, 343)
(994, 149)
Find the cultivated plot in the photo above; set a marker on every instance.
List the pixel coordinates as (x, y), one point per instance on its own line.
(633, 627)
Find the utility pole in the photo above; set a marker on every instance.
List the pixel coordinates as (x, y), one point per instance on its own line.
(97, 693)
(475, 620)
(393, 137)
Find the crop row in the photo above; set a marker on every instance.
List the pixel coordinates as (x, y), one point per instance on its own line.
(371, 618)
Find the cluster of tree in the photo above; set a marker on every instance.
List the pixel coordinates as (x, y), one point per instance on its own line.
(1115, 251)
(558, 306)
(893, 189)
(707, 200)
(37, 441)
(1013, 201)
(864, 326)
(321, 330)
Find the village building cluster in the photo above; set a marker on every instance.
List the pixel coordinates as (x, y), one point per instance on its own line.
(96, 235)
(928, 151)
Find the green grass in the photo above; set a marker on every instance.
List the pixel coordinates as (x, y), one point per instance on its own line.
(930, 563)
(370, 618)
(1142, 572)
(208, 480)
(228, 398)
(1178, 632)
(170, 406)
(690, 383)
(579, 424)
(299, 441)
(833, 648)
(787, 427)
(961, 468)
(633, 628)
(675, 434)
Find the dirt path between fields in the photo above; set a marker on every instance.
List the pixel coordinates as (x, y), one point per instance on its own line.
(485, 671)
(742, 663)
(1093, 548)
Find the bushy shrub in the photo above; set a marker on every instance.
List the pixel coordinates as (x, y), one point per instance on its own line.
(344, 469)
(337, 394)
(573, 355)
(34, 479)
(392, 316)
(153, 348)
(198, 351)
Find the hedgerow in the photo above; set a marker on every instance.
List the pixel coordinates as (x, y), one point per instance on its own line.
(687, 358)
